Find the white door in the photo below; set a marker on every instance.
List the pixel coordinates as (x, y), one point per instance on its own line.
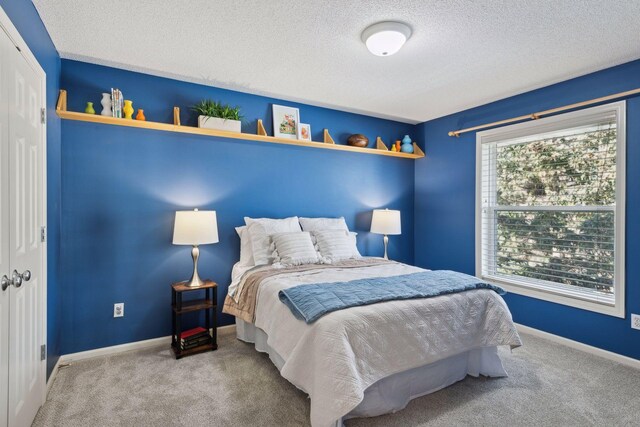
(5, 47)
(26, 302)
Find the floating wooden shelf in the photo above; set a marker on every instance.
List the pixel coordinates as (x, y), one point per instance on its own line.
(261, 135)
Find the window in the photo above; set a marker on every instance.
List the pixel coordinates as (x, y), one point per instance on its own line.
(550, 208)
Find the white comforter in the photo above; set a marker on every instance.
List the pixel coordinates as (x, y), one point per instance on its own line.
(339, 356)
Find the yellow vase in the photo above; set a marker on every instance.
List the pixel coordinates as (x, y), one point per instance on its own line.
(89, 109)
(128, 109)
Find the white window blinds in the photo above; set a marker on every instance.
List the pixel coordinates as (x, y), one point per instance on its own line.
(548, 199)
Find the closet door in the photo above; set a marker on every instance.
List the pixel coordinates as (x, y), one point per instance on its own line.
(26, 335)
(5, 272)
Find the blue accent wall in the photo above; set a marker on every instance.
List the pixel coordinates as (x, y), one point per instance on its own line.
(121, 187)
(445, 205)
(26, 19)
(118, 188)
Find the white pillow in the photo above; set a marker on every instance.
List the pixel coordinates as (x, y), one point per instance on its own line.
(246, 255)
(260, 229)
(353, 235)
(294, 249)
(336, 245)
(316, 224)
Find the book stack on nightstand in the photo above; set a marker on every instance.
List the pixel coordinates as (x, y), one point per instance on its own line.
(194, 338)
(198, 339)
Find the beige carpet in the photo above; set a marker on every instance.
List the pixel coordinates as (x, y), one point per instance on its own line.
(549, 385)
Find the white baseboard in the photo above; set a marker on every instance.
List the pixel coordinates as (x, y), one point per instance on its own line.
(107, 351)
(615, 357)
(137, 345)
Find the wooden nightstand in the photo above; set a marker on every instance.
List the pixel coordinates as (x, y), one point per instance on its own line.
(178, 308)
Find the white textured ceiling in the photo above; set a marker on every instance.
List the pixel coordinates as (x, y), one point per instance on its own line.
(462, 53)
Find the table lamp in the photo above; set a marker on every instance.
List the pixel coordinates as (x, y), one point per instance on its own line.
(387, 222)
(195, 228)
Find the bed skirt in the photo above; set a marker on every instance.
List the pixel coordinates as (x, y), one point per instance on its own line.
(393, 393)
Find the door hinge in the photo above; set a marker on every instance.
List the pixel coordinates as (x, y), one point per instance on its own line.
(43, 234)
(43, 352)
(43, 115)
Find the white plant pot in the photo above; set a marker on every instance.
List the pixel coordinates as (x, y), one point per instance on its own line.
(207, 122)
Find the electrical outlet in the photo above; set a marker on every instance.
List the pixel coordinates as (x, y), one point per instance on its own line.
(635, 321)
(118, 309)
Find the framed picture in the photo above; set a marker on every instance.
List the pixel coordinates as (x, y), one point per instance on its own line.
(285, 121)
(304, 132)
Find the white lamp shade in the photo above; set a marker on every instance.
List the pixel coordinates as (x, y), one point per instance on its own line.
(385, 221)
(195, 228)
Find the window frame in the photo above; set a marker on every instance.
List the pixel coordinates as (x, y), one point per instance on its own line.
(550, 124)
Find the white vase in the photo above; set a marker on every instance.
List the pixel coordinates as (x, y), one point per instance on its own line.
(219, 124)
(106, 105)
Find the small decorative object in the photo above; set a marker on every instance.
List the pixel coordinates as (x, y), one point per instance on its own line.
(304, 132)
(358, 140)
(407, 148)
(215, 115)
(407, 145)
(140, 116)
(285, 121)
(397, 145)
(387, 222)
(393, 148)
(106, 105)
(128, 109)
(195, 228)
(89, 109)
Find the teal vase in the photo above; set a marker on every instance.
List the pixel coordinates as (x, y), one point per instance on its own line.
(407, 145)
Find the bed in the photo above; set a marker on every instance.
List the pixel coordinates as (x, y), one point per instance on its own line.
(369, 360)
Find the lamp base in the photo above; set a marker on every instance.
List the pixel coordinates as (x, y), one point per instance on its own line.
(386, 243)
(195, 280)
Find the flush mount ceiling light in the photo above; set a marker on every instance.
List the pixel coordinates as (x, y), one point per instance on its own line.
(386, 38)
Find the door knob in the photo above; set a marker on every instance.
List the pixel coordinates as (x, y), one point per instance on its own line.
(5, 282)
(16, 279)
(26, 275)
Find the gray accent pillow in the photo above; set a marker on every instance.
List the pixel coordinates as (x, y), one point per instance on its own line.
(336, 245)
(294, 249)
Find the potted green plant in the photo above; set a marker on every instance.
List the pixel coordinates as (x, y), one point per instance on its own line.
(215, 115)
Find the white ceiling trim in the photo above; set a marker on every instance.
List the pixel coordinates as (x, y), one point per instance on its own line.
(237, 88)
(222, 85)
(461, 54)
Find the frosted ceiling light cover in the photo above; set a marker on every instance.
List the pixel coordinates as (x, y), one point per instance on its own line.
(386, 38)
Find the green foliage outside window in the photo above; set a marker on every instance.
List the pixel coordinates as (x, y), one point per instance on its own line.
(573, 247)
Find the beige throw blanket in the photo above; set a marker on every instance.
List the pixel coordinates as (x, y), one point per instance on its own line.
(243, 303)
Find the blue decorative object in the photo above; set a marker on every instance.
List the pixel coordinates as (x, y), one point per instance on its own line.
(407, 145)
(312, 301)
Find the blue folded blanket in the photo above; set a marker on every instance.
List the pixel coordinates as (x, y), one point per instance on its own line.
(310, 302)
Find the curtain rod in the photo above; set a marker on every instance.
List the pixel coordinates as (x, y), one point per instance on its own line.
(535, 116)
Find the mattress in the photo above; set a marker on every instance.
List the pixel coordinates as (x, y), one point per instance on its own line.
(342, 356)
(393, 393)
